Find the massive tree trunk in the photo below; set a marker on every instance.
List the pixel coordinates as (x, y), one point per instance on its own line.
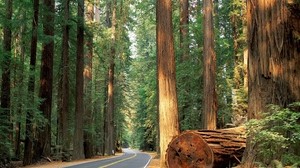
(89, 118)
(78, 149)
(167, 97)
(274, 56)
(63, 92)
(43, 145)
(27, 160)
(109, 116)
(5, 87)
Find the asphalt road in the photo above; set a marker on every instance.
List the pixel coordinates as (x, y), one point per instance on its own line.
(130, 159)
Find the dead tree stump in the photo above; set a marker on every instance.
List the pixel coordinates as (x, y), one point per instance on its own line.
(206, 148)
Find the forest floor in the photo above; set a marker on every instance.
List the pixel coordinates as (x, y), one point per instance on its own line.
(59, 164)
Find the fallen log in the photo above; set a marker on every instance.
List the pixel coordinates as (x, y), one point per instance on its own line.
(206, 148)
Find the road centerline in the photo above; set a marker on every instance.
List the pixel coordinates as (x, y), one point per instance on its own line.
(119, 161)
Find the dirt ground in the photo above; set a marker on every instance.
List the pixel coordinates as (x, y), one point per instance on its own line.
(58, 164)
(154, 161)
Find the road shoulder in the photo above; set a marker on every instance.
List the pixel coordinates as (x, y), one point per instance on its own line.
(154, 163)
(60, 164)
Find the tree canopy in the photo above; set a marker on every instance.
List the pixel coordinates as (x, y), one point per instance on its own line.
(85, 78)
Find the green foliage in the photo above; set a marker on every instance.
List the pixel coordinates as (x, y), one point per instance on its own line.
(189, 77)
(5, 130)
(142, 78)
(189, 89)
(224, 36)
(277, 135)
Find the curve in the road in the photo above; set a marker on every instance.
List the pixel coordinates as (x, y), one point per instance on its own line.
(130, 159)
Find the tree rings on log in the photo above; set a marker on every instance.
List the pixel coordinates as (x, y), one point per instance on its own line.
(189, 150)
(207, 148)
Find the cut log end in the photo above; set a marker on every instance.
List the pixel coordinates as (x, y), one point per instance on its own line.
(206, 148)
(189, 150)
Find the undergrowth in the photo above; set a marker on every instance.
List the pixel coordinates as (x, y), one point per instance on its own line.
(276, 137)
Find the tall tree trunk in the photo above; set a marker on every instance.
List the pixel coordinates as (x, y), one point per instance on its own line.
(89, 118)
(184, 29)
(78, 149)
(167, 97)
(274, 57)
(63, 103)
(28, 153)
(5, 87)
(43, 145)
(109, 117)
(209, 115)
(105, 118)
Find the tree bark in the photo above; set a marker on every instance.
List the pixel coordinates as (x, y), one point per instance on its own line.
(274, 58)
(43, 145)
(273, 55)
(207, 148)
(78, 149)
(209, 115)
(167, 97)
(28, 153)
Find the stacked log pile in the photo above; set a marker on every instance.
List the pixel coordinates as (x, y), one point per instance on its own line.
(206, 148)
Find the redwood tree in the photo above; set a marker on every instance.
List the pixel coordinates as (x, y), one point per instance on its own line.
(88, 119)
(209, 115)
(31, 85)
(78, 152)
(273, 45)
(43, 145)
(274, 56)
(109, 116)
(167, 97)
